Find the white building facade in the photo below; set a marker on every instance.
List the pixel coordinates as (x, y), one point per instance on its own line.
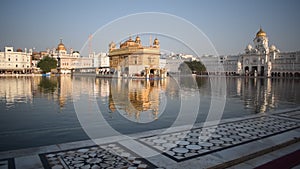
(260, 60)
(68, 61)
(15, 62)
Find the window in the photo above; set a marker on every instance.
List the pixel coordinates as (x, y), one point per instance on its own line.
(8, 59)
(16, 65)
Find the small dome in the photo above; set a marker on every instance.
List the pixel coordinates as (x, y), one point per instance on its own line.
(273, 48)
(61, 46)
(137, 39)
(261, 33)
(112, 46)
(19, 50)
(249, 47)
(156, 41)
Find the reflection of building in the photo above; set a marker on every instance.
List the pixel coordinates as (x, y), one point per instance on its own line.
(64, 90)
(15, 61)
(258, 60)
(256, 93)
(133, 59)
(136, 96)
(16, 89)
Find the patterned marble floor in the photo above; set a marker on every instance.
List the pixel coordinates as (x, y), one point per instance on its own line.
(184, 145)
(292, 115)
(112, 156)
(7, 164)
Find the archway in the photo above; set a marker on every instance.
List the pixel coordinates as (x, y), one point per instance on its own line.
(246, 70)
(253, 70)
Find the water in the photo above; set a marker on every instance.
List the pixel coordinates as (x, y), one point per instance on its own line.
(38, 111)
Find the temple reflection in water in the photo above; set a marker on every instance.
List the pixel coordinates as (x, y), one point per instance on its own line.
(135, 97)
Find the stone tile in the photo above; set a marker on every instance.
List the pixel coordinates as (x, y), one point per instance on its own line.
(185, 145)
(242, 165)
(260, 160)
(292, 115)
(111, 155)
(28, 151)
(7, 163)
(28, 162)
(71, 145)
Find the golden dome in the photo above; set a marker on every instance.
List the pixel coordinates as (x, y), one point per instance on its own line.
(137, 39)
(61, 46)
(156, 42)
(261, 33)
(129, 43)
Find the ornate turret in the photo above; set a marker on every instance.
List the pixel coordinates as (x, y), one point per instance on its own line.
(261, 42)
(112, 46)
(138, 40)
(156, 43)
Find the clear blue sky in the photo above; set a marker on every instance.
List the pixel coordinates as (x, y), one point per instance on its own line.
(229, 24)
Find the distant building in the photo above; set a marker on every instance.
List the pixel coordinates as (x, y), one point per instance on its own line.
(258, 60)
(101, 63)
(68, 61)
(15, 62)
(133, 59)
(173, 61)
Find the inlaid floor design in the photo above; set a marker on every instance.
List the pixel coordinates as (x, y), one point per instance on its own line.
(292, 115)
(111, 156)
(7, 164)
(185, 145)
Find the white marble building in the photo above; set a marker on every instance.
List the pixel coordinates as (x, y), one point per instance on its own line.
(15, 62)
(262, 60)
(67, 61)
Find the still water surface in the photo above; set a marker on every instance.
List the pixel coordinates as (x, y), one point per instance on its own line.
(38, 111)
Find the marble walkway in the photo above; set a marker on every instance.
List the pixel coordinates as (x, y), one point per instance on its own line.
(246, 142)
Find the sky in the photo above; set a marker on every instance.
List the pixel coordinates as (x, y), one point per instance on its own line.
(229, 25)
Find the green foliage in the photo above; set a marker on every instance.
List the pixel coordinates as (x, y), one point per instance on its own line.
(47, 63)
(192, 67)
(47, 85)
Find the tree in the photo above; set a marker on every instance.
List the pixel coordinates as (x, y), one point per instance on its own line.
(192, 67)
(47, 63)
